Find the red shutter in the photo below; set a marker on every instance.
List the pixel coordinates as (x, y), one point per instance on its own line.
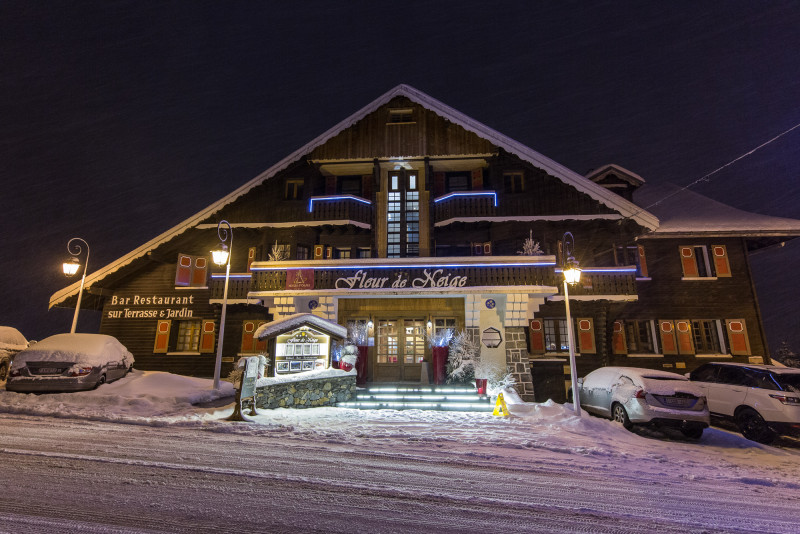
(477, 249)
(248, 328)
(162, 337)
(618, 343)
(721, 264)
(487, 248)
(642, 262)
(319, 252)
(438, 184)
(207, 335)
(683, 330)
(688, 262)
(477, 179)
(537, 336)
(200, 271)
(737, 337)
(251, 256)
(669, 344)
(330, 185)
(183, 275)
(329, 252)
(259, 345)
(586, 336)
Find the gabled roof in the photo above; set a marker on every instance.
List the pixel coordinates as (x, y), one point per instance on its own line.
(290, 322)
(684, 212)
(621, 172)
(599, 193)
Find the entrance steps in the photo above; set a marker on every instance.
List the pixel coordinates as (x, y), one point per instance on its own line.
(417, 397)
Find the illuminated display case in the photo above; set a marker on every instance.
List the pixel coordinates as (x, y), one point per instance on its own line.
(302, 349)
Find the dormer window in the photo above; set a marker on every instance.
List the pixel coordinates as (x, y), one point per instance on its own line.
(513, 182)
(401, 116)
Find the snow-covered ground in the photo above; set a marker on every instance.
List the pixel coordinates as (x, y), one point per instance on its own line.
(544, 429)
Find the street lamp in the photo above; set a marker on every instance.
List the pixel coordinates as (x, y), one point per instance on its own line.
(71, 267)
(572, 275)
(221, 257)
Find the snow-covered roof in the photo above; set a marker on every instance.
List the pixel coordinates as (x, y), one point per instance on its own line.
(599, 193)
(297, 320)
(683, 212)
(622, 172)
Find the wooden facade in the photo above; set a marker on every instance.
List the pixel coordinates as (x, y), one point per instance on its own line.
(410, 217)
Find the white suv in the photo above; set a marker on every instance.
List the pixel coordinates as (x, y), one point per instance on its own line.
(763, 400)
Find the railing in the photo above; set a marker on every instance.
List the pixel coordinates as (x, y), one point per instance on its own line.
(465, 204)
(238, 287)
(330, 208)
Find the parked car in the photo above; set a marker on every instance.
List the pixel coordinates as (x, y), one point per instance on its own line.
(763, 400)
(11, 342)
(633, 396)
(69, 362)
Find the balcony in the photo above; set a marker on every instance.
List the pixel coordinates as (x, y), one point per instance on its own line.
(323, 208)
(465, 204)
(238, 286)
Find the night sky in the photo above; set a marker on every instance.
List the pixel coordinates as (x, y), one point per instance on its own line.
(120, 119)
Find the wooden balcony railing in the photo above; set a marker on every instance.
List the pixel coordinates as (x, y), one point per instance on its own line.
(463, 204)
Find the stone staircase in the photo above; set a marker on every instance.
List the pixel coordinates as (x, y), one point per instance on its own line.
(417, 397)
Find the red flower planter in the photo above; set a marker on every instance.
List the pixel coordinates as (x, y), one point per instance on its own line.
(480, 385)
(440, 364)
(361, 365)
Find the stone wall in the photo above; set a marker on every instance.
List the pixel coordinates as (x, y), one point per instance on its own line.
(517, 362)
(309, 393)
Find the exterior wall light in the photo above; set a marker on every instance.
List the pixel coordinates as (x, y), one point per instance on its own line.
(71, 267)
(491, 337)
(572, 274)
(221, 257)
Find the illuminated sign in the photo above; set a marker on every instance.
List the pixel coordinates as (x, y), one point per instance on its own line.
(429, 278)
(299, 278)
(302, 349)
(150, 307)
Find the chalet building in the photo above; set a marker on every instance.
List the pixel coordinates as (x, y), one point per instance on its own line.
(409, 217)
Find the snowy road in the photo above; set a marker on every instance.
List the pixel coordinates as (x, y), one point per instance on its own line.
(70, 475)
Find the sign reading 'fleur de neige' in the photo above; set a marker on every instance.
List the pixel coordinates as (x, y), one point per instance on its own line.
(429, 278)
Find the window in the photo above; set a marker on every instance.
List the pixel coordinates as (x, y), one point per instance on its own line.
(294, 190)
(343, 253)
(556, 338)
(188, 339)
(640, 336)
(631, 255)
(191, 271)
(457, 182)
(402, 215)
(401, 116)
(364, 252)
(440, 324)
(708, 337)
(705, 373)
(514, 182)
(696, 263)
(303, 252)
(349, 185)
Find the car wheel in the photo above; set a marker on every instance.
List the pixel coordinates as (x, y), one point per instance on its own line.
(753, 427)
(100, 381)
(619, 415)
(3, 371)
(692, 432)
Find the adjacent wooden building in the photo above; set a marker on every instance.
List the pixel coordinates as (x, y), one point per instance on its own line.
(409, 217)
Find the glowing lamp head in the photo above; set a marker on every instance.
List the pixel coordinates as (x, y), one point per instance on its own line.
(220, 255)
(71, 267)
(572, 274)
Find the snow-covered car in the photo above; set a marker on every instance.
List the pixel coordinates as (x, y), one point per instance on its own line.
(11, 342)
(633, 396)
(69, 362)
(763, 400)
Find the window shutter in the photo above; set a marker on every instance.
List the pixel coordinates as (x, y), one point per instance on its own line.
(438, 184)
(259, 345)
(586, 336)
(721, 264)
(251, 257)
(207, 335)
(688, 262)
(618, 342)
(329, 252)
(477, 179)
(248, 328)
(183, 275)
(684, 333)
(642, 262)
(319, 252)
(162, 337)
(487, 248)
(200, 271)
(477, 249)
(669, 344)
(737, 337)
(537, 336)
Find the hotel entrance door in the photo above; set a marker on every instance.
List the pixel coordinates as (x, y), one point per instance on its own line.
(400, 349)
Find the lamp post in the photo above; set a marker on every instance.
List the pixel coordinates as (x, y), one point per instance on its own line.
(222, 257)
(572, 275)
(71, 267)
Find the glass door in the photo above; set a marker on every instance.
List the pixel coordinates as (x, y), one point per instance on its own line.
(400, 345)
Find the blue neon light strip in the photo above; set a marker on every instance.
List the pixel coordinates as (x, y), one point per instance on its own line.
(468, 194)
(336, 197)
(311, 265)
(601, 270)
(221, 276)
